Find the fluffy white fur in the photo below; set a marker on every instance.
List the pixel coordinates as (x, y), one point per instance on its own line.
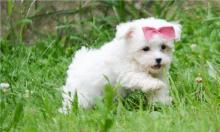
(123, 61)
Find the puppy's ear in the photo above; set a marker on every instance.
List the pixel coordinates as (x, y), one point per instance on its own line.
(124, 30)
(178, 30)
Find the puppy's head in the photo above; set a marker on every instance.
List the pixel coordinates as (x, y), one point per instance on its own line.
(149, 42)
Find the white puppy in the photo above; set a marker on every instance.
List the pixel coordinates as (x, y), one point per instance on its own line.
(137, 58)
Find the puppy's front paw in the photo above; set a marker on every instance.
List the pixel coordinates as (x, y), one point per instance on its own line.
(154, 85)
(157, 85)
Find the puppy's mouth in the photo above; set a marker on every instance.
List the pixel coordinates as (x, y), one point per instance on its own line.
(156, 67)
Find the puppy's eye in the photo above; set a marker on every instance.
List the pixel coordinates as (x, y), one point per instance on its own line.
(146, 49)
(163, 46)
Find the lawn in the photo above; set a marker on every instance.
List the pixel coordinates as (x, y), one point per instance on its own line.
(37, 71)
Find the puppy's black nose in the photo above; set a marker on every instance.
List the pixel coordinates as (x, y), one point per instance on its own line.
(158, 60)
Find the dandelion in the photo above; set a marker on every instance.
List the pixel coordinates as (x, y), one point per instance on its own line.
(4, 86)
(193, 47)
(198, 79)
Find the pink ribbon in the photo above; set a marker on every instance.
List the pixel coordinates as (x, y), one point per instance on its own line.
(166, 32)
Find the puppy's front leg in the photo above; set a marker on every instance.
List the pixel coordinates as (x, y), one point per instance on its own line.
(162, 96)
(133, 80)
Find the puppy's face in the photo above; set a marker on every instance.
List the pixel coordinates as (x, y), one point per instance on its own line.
(154, 56)
(152, 53)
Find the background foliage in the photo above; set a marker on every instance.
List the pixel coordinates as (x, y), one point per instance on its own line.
(38, 39)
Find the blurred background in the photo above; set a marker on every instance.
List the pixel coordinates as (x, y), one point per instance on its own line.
(76, 21)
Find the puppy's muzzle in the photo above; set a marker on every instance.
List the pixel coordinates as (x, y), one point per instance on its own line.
(158, 60)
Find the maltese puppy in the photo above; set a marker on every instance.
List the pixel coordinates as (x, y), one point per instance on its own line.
(137, 58)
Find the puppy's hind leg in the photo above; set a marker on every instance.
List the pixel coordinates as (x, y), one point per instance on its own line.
(67, 102)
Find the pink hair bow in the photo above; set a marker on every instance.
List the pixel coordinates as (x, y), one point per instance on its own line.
(166, 32)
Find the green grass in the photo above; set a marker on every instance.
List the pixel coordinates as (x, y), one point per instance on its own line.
(36, 72)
